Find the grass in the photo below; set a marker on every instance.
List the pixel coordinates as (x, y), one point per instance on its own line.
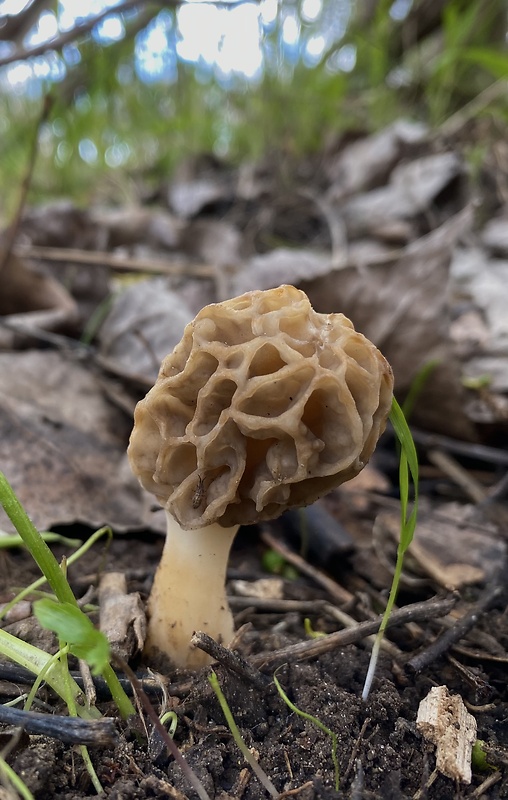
(292, 109)
(408, 474)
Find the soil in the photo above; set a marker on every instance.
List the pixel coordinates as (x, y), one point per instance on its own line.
(380, 752)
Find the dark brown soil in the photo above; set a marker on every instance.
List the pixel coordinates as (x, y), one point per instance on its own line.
(380, 752)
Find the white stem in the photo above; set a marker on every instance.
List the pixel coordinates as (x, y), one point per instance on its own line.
(189, 593)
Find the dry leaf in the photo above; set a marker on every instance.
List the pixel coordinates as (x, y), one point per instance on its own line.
(122, 616)
(279, 266)
(31, 301)
(403, 307)
(495, 234)
(144, 324)
(62, 444)
(133, 225)
(369, 161)
(450, 548)
(60, 223)
(413, 187)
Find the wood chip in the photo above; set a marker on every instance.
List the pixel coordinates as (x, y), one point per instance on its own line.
(122, 616)
(444, 720)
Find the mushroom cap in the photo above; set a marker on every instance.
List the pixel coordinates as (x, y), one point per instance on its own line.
(264, 405)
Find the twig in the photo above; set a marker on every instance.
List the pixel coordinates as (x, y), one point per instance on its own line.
(332, 587)
(12, 231)
(58, 42)
(492, 455)
(19, 675)
(101, 258)
(417, 612)
(443, 643)
(487, 784)
(338, 593)
(277, 606)
(190, 775)
(451, 468)
(229, 659)
(354, 752)
(294, 792)
(70, 730)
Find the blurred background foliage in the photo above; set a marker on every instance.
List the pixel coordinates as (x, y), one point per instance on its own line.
(125, 114)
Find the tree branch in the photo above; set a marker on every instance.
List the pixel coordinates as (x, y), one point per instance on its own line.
(58, 42)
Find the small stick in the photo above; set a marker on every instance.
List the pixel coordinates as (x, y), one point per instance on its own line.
(150, 711)
(443, 643)
(487, 783)
(69, 730)
(451, 467)
(88, 684)
(417, 612)
(20, 676)
(58, 42)
(338, 593)
(229, 659)
(100, 258)
(278, 606)
(294, 792)
(307, 607)
(492, 455)
(354, 753)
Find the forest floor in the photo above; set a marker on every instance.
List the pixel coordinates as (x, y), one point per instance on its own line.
(381, 753)
(398, 232)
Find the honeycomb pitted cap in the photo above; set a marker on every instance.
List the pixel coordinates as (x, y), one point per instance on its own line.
(264, 405)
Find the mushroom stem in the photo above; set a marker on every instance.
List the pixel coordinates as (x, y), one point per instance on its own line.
(189, 593)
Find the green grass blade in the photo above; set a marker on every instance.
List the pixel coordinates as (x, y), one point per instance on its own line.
(105, 531)
(408, 470)
(237, 736)
(35, 543)
(417, 385)
(17, 784)
(317, 722)
(36, 661)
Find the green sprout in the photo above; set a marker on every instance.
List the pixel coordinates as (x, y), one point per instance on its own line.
(309, 630)
(408, 470)
(276, 564)
(315, 721)
(237, 736)
(479, 757)
(170, 715)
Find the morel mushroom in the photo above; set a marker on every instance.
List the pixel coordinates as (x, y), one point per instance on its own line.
(264, 405)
